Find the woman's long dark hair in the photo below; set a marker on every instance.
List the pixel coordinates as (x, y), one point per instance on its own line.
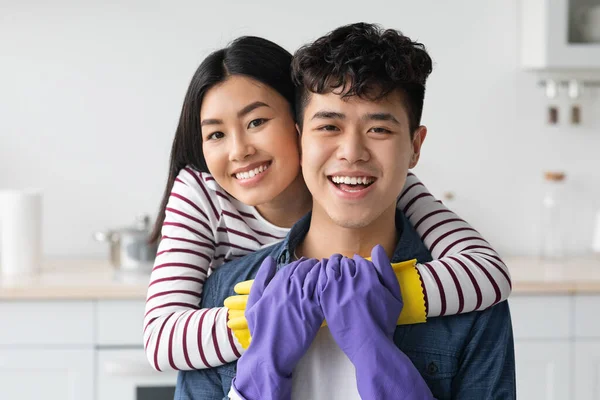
(250, 56)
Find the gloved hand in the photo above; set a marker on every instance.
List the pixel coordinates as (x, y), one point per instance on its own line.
(283, 316)
(236, 306)
(406, 273)
(360, 298)
(361, 302)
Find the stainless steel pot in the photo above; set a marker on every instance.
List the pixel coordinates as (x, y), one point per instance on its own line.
(129, 247)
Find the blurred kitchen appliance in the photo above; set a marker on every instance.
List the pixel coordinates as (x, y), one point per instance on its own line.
(125, 374)
(130, 249)
(20, 232)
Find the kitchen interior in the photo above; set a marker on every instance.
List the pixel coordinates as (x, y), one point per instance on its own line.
(90, 95)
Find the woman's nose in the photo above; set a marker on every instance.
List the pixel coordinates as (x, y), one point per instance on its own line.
(241, 148)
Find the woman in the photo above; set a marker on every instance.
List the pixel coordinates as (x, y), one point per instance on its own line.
(235, 186)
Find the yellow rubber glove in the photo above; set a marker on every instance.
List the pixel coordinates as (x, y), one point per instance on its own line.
(236, 320)
(413, 311)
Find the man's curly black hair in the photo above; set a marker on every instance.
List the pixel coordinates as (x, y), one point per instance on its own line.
(366, 61)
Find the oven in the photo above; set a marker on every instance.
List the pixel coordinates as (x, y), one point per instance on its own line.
(125, 374)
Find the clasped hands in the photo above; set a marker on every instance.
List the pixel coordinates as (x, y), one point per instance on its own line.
(361, 302)
(237, 304)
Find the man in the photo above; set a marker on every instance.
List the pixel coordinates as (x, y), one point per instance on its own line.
(361, 94)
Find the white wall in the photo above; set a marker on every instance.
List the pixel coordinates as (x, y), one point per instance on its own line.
(90, 94)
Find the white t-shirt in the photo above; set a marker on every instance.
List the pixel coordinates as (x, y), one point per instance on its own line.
(324, 373)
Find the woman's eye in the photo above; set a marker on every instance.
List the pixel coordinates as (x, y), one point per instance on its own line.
(257, 122)
(215, 136)
(379, 130)
(328, 128)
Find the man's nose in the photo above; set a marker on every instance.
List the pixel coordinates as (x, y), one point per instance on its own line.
(352, 147)
(241, 147)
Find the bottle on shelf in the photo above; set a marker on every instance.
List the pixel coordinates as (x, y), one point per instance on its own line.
(553, 228)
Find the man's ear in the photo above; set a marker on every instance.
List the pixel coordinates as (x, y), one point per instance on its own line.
(417, 141)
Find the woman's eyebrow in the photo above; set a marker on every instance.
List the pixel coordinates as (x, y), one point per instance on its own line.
(251, 107)
(244, 111)
(211, 122)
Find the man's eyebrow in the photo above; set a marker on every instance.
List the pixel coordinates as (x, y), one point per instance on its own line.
(328, 115)
(244, 111)
(380, 117)
(251, 107)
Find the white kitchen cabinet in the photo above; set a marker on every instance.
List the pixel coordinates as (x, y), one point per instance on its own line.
(56, 374)
(120, 322)
(587, 367)
(48, 323)
(542, 329)
(77, 350)
(541, 317)
(543, 369)
(552, 35)
(557, 346)
(587, 323)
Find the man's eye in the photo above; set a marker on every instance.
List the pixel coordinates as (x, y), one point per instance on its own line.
(328, 128)
(380, 130)
(257, 122)
(215, 136)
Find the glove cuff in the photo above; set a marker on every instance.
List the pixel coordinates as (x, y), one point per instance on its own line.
(413, 311)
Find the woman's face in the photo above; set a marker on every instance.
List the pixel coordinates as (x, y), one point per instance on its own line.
(249, 139)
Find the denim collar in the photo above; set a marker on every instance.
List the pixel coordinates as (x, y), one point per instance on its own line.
(300, 229)
(294, 237)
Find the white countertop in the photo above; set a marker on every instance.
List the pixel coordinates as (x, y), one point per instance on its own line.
(575, 276)
(75, 280)
(94, 280)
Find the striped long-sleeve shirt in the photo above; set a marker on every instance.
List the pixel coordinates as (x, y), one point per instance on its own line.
(204, 227)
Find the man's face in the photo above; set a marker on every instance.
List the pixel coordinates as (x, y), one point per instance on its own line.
(356, 154)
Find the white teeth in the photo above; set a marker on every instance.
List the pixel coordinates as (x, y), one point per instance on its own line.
(251, 173)
(353, 180)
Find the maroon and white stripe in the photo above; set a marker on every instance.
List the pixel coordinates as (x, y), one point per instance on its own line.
(203, 228)
(468, 274)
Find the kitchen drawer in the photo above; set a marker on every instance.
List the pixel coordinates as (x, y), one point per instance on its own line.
(120, 322)
(47, 374)
(541, 317)
(47, 323)
(587, 323)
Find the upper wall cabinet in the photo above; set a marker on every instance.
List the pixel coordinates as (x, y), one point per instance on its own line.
(560, 34)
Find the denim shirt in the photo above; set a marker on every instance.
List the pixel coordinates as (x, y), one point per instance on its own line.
(467, 356)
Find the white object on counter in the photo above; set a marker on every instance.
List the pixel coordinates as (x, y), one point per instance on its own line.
(20, 232)
(596, 239)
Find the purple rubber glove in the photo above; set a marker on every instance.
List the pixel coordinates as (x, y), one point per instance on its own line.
(361, 302)
(283, 316)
